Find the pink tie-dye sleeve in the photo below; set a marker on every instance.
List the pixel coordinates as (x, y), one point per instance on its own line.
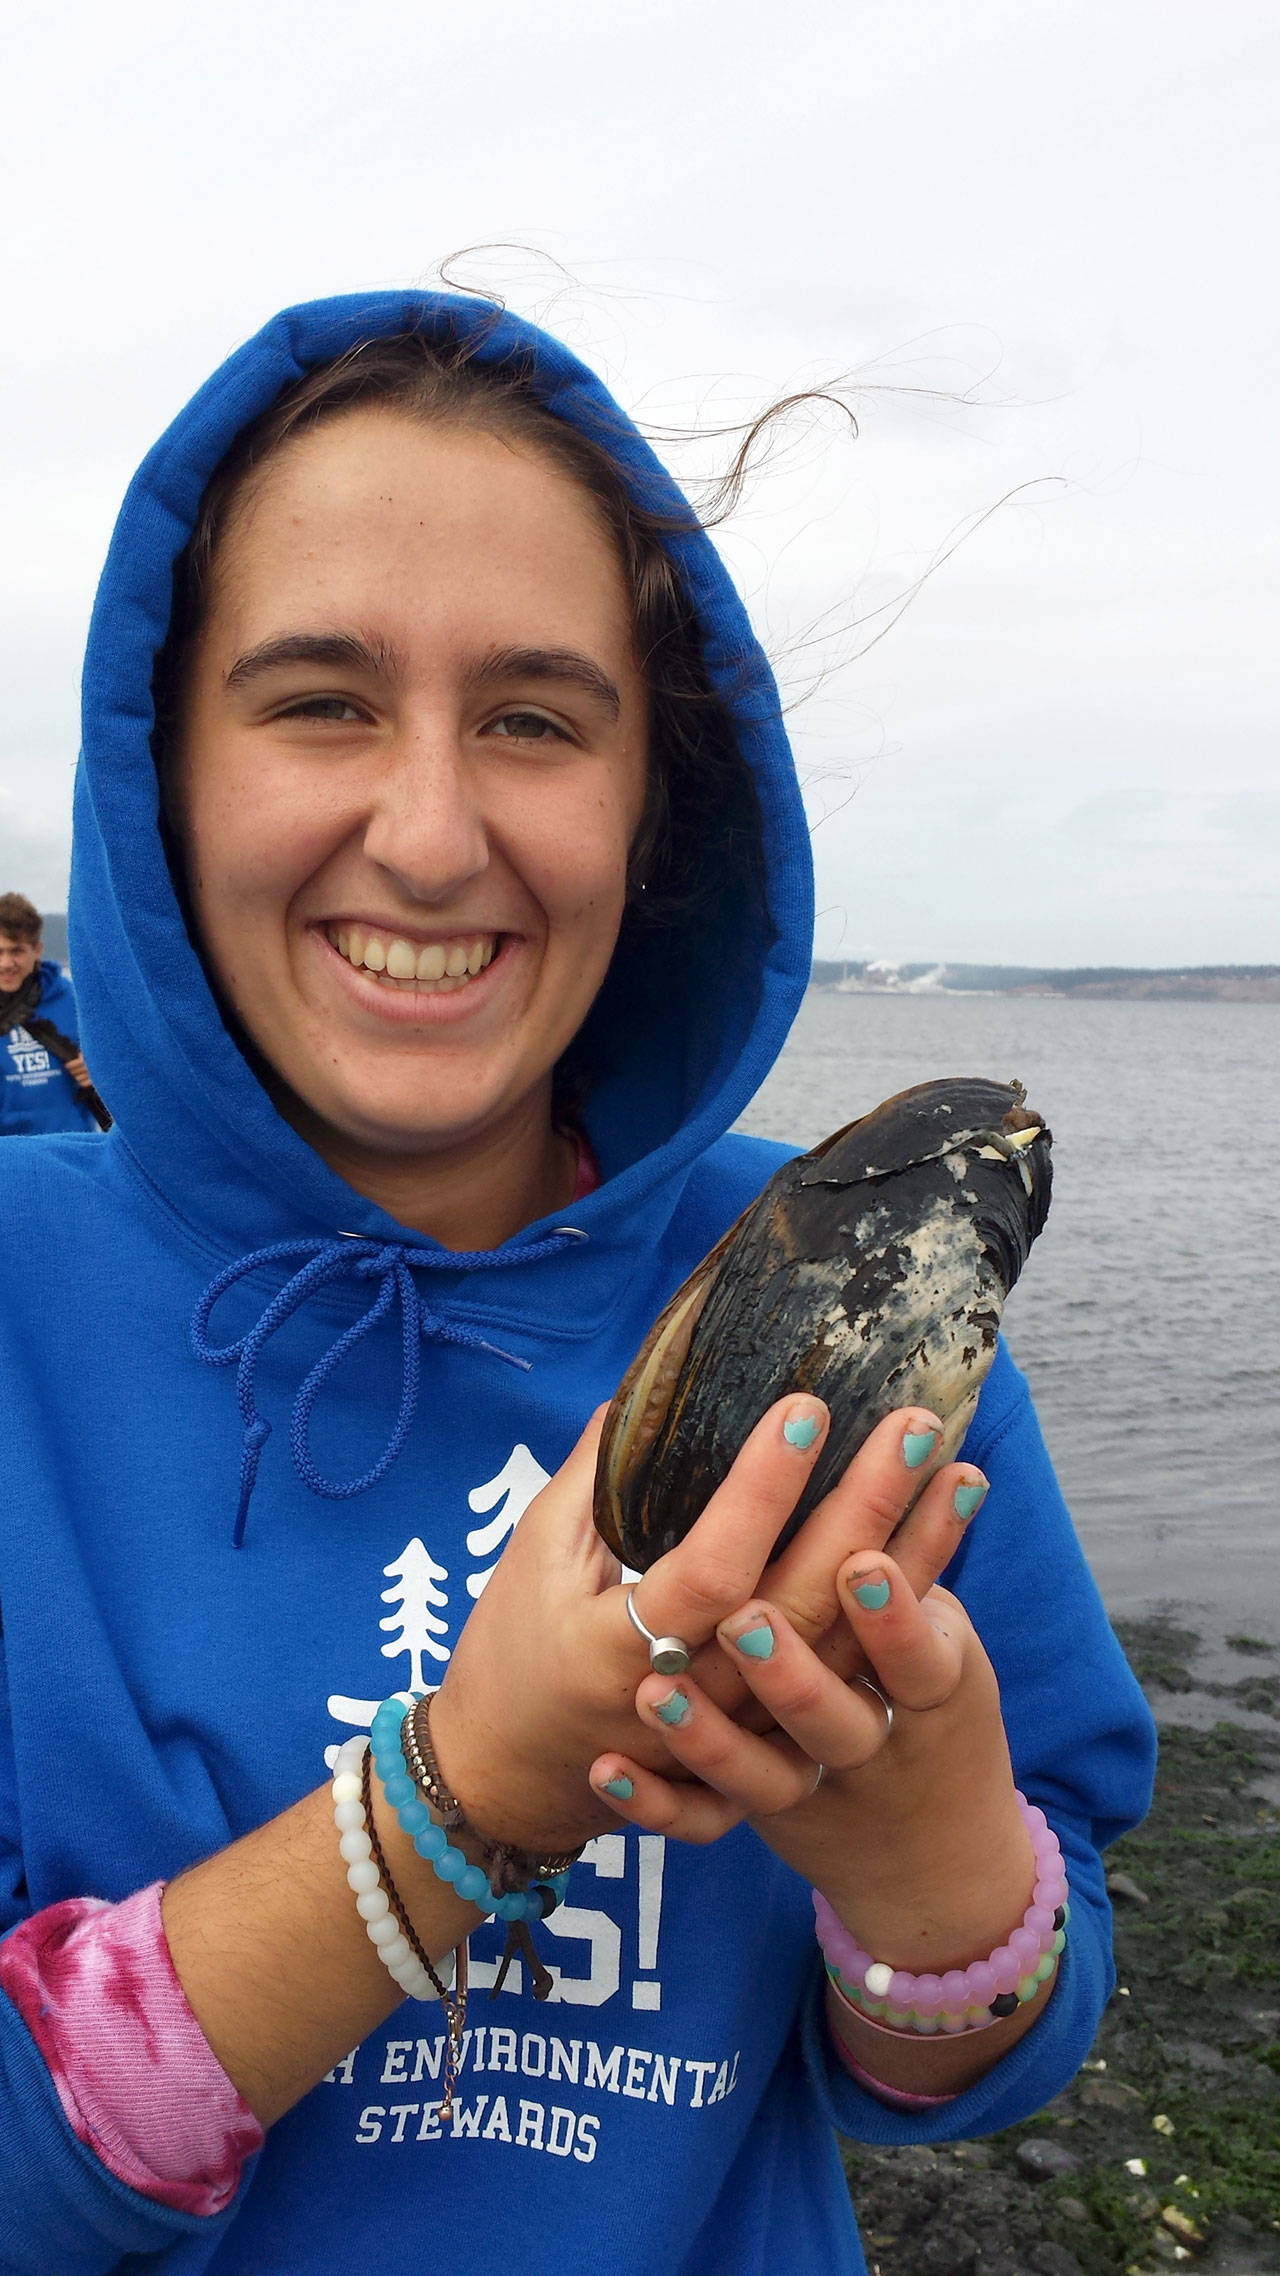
(137, 2079)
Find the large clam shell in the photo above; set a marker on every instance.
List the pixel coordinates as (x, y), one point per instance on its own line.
(872, 1272)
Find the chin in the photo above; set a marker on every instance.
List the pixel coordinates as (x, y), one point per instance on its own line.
(398, 1139)
(397, 1128)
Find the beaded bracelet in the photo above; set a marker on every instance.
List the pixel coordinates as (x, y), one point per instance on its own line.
(964, 1999)
(377, 1899)
(432, 1841)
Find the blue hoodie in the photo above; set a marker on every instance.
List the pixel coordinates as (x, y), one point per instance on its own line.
(36, 1092)
(672, 2106)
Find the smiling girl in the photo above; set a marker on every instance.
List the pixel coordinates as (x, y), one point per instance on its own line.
(441, 898)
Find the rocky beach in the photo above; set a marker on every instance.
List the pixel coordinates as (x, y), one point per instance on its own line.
(1165, 2150)
(1148, 1328)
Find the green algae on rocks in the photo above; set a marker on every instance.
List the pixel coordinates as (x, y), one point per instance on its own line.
(1192, 2038)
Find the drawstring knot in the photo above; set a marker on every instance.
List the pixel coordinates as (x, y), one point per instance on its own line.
(320, 1261)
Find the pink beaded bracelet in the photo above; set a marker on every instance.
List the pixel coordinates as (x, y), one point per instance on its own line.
(964, 1999)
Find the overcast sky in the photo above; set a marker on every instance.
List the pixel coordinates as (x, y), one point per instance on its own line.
(1044, 237)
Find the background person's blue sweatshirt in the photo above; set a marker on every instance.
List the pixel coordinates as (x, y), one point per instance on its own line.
(36, 1092)
(671, 2108)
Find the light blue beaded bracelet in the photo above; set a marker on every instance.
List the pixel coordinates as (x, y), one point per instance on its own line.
(431, 1840)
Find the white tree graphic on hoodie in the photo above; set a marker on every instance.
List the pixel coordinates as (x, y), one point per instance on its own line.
(415, 1573)
(520, 1478)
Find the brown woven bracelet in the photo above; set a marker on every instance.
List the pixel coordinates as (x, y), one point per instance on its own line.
(507, 1867)
(425, 1770)
(454, 2003)
(394, 1898)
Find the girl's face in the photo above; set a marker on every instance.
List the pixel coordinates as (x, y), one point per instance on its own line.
(412, 765)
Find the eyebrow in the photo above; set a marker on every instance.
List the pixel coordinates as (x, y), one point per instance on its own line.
(348, 652)
(547, 664)
(340, 651)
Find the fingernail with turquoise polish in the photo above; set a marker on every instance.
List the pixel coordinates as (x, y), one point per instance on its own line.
(873, 1594)
(757, 1642)
(967, 1499)
(917, 1446)
(620, 1788)
(673, 1709)
(801, 1431)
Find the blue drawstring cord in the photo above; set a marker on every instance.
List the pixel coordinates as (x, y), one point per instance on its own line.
(335, 1258)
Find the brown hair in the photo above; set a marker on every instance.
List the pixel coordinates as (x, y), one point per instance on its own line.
(19, 917)
(700, 830)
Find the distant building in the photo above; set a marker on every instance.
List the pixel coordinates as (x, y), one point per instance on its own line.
(55, 935)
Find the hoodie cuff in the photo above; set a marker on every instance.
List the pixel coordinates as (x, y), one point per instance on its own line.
(1036, 2068)
(138, 2082)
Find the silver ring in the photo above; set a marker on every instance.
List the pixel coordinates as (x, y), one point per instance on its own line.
(822, 1772)
(877, 1693)
(668, 1655)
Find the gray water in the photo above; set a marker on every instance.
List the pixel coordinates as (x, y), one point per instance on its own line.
(1148, 1319)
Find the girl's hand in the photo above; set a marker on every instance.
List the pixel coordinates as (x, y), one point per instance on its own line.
(544, 1675)
(912, 1833)
(546, 1668)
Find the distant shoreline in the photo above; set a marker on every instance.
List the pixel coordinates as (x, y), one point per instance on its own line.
(1193, 983)
(1201, 983)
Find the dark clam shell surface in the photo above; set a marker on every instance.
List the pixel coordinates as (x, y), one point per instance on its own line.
(872, 1272)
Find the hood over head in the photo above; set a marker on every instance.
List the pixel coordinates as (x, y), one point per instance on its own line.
(688, 1024)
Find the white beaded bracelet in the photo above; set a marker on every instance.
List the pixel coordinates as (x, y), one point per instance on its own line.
(372, 1903)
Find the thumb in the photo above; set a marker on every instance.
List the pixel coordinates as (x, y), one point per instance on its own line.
(564, 1513)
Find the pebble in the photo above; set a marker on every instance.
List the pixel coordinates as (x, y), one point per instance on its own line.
(949, 2253)
(1199, 2056)
(1143, 2202)
(1053, 2260)
(1047, 2161)
(1109, 2094)
(1246, 1900)
(1071, 2209)
(1122, 1885)
(917, 2157)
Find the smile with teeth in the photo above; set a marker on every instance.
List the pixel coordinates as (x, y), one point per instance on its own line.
(438, 967)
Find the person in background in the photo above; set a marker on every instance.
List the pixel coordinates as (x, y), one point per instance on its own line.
(44, 1082)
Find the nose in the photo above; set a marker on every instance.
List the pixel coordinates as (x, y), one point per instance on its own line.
(426, 828)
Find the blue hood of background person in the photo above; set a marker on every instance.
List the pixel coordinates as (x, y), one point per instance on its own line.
(57, 1001)
(187, 1104)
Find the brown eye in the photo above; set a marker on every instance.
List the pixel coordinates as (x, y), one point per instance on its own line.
(526, 727)
(327, 707)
